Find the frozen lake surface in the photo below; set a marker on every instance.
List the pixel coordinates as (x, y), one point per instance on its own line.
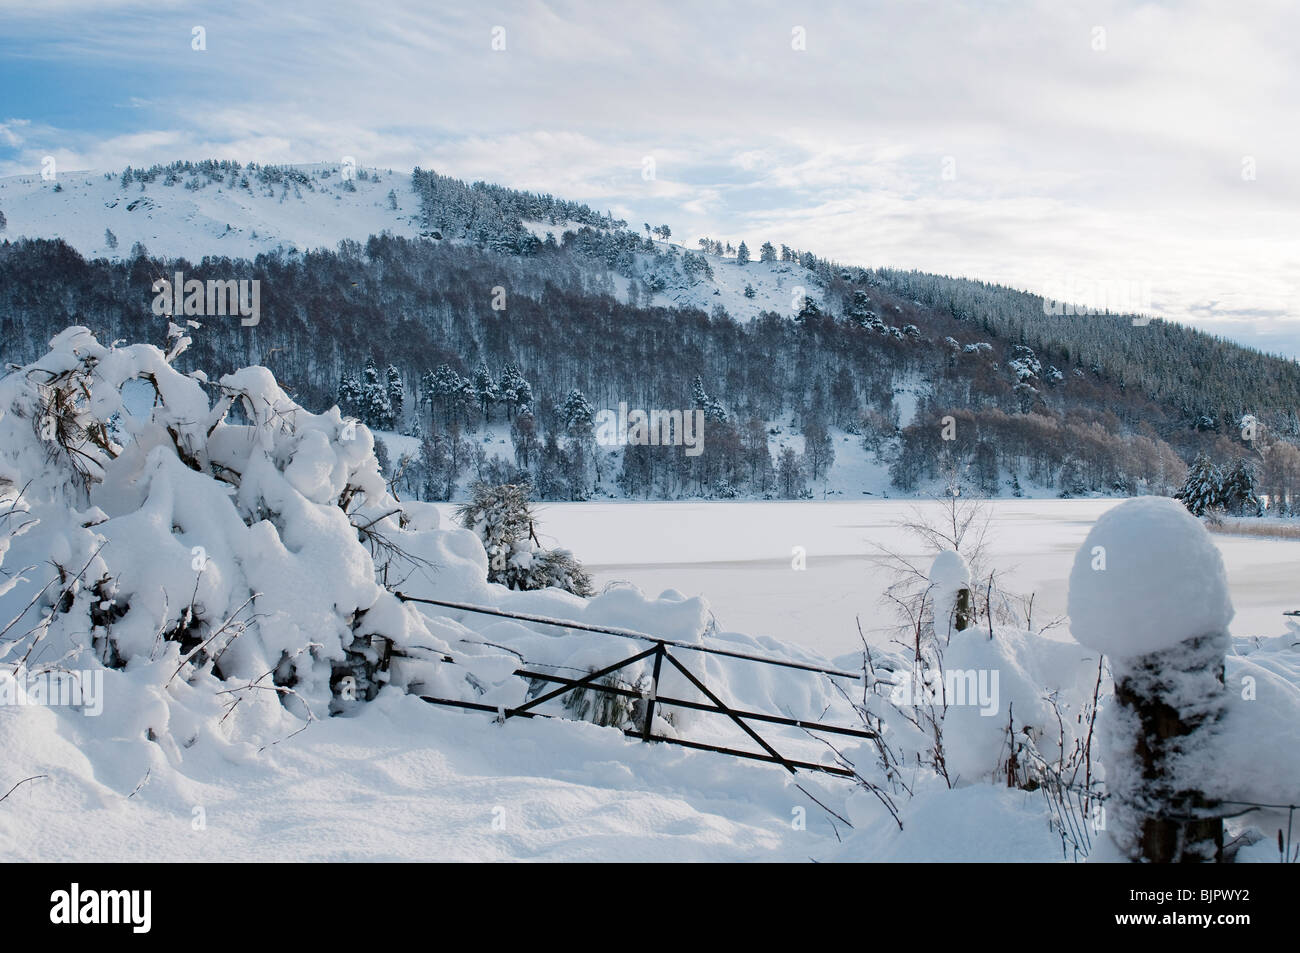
(739, 557)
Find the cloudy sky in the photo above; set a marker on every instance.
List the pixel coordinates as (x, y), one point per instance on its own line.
(1112, 150)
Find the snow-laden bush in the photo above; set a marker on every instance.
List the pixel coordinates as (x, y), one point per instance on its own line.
(199, 532)
(502, 517)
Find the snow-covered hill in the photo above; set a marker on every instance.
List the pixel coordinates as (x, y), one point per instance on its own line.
(239, 214)
(218, 219)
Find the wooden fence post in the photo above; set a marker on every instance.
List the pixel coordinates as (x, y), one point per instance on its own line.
(1148, 590)
(961, 618)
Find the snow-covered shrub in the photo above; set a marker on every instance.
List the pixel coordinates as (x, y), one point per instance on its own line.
(218, 535)
(982, 703)
(502, 517)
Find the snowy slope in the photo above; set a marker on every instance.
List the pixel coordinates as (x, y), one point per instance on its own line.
(241, 222)
(214, 220)
(778, 286)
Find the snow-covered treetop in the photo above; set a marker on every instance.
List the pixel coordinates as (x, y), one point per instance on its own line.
(1147, 578)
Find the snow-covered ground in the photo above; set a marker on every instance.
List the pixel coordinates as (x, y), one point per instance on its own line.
(408, 781)
(739, 557)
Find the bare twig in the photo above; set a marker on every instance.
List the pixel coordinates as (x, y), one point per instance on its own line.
(34, 777)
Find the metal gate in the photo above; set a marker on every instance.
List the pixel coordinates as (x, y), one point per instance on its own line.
(660, 651)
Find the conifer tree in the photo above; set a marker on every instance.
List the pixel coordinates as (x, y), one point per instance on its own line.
(502, 517)
(396, 392)
(1201, 490)
(578, 416)
(1237, 492)
(485, 389)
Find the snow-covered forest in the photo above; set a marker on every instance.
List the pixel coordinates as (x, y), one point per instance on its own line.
(490, 326)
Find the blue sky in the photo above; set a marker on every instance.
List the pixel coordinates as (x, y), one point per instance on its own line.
(1095, 146)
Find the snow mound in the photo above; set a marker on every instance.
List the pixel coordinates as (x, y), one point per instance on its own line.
(1147, 577)
(1013, 677)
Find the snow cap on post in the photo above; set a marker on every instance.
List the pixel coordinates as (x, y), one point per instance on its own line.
(949, 572)
(1147, 578)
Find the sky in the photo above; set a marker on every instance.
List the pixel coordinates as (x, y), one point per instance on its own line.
(1113, 153)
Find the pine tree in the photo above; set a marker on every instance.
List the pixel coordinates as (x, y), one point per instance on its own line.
(375, 409)
(428, 391)
(502, 517)
(485, 389)
(699, 396)
(579, 419)
(767, 252)
(1202, 490)
(809, 310)
(349, 396)
(523, 394)
(466, 398)
(1237, 493)
(446, 386)
(396, 392)
(742, 254)
(514, 391)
